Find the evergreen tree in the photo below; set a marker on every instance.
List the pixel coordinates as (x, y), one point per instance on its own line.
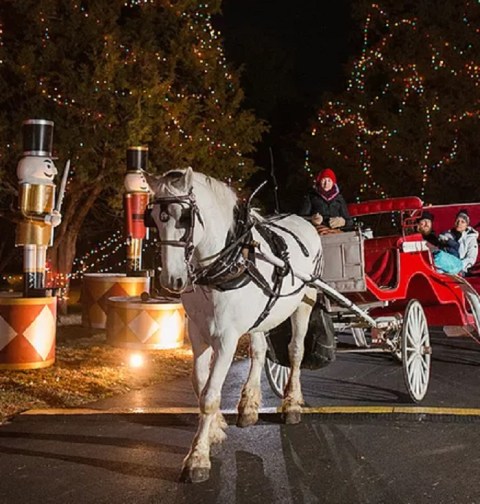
(112, 74)
(407, 122)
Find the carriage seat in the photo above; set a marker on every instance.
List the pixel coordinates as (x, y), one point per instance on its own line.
(381, 260)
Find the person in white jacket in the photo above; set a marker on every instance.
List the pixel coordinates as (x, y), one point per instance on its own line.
(467, 237)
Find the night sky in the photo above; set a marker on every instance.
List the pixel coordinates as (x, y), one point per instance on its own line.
(291, 52)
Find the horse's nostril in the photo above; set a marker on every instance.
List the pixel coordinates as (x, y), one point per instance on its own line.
(178, 284)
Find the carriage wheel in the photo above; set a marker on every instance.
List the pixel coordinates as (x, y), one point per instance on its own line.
(416, 351)
(474, 302)
(277, 376)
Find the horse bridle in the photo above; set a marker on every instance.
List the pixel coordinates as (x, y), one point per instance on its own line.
(188, 202)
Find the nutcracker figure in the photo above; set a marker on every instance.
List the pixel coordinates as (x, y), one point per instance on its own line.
(36, 203)
(136, 199)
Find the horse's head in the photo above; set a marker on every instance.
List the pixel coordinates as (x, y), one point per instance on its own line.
(175, 214)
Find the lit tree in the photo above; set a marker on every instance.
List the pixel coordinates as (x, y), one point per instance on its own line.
(407, 122)
(115, 73)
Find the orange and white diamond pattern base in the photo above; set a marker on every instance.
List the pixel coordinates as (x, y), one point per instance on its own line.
(97, 288)
(27, 332)
(155, 325)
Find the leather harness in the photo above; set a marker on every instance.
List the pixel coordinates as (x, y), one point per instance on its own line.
(235, 265)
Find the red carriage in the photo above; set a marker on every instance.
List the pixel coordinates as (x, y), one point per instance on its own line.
(388, 282)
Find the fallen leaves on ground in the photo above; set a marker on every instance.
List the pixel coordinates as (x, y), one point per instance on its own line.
(87, 369)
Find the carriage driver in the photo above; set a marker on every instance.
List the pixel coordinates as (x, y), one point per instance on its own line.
(325, 206)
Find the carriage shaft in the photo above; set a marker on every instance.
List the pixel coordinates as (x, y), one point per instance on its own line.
(324, 287)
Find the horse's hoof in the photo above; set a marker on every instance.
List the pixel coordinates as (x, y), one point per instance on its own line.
(293, 417)
(194, 474)
(247, 420)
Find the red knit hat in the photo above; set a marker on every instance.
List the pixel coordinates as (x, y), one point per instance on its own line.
(327, 173)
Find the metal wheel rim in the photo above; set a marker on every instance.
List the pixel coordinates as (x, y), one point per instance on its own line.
(416, 351)
(277, 376)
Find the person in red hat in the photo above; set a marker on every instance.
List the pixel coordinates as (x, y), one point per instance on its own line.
(325, 205)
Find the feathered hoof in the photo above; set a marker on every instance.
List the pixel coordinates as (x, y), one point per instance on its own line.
(194, 474)
(217, 436)
(292, 417)
(246, 420)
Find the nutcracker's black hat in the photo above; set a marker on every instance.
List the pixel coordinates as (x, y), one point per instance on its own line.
(137, 158)
(37, 137)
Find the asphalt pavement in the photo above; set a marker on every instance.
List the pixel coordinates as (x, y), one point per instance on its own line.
(362, 441)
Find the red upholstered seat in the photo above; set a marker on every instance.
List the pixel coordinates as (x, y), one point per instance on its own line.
(474, 281)
(381, 260)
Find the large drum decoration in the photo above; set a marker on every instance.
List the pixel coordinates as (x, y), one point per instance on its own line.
(152, 324)
(27, 332)
(98, 287)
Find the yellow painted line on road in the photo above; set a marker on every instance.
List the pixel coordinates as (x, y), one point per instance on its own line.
(324, 410)
(381, 410)
(111, 411)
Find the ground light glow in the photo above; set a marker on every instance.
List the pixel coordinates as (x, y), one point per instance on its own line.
(136, 360)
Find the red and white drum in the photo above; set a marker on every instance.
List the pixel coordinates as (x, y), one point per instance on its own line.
(27, 332)
(155, 324)
(98, 287)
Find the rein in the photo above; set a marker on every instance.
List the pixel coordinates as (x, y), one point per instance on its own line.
(233, 266)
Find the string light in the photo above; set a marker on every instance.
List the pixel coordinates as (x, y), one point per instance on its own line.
(201, 120)
(383, 88)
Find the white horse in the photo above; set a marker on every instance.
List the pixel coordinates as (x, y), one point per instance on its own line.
(210, 254)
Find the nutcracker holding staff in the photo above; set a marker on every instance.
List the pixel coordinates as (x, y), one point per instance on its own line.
(36, 203)
(136, 199)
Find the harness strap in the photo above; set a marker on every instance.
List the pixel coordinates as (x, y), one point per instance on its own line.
(279, 248)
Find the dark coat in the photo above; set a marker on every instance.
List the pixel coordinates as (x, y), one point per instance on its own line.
(313, 203)
(447, 242)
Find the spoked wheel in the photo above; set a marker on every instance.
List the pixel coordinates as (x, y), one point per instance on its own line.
(416, 351)
(277, 376)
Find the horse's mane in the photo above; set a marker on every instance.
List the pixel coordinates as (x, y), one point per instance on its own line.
(221, 191)
(223, 194)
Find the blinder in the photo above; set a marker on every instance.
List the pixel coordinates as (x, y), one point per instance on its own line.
(186, 220)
